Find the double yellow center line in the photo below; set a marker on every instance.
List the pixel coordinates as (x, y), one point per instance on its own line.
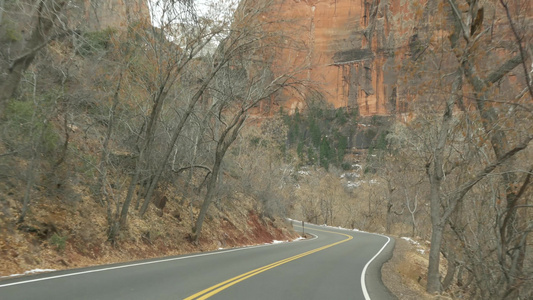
(226, 284)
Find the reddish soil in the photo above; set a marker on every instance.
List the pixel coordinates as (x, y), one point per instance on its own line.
(59, 236)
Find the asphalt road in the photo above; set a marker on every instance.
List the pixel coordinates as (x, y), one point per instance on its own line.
(337, 264)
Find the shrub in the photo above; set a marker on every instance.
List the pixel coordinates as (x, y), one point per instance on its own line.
(58, 241)
(11, 33)
(94, 42)
(25, 124)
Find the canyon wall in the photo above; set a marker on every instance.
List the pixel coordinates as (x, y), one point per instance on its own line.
(349, 48)
(101, 14)
(352, 47)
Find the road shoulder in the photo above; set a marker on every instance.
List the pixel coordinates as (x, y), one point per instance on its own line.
(403, 274)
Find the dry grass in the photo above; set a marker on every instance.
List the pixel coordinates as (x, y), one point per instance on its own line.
(83, 227)
(405, 274)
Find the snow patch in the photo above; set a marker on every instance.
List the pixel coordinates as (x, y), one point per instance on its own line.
(353, 184)
(350, 175)
(278, 242)
(34, 271)
(419, 248)
(410, 240)
(342, 228)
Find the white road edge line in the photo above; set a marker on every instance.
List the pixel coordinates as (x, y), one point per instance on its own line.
(363, 274)
(363, 285)
(138, 264)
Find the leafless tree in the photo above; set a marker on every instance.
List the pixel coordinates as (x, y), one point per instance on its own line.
(458, 154)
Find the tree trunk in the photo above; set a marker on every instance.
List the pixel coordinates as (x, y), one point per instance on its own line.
(129, 196)
(1, 10)
(450, 273)
(433, 283)
(179, 128)
(104, 157)
(47, 13)
(390, 190)
(211, 185)
(142, 161)
(227, 137)
(436, 175)
(413, 220)
(500, 144)
(30, 173)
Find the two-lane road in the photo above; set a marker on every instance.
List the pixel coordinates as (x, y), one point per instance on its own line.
(337, 264)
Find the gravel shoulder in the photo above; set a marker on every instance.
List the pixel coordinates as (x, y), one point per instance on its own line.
(404, 274)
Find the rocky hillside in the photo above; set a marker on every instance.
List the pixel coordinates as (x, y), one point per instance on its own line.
(62, 233)
(90, 95)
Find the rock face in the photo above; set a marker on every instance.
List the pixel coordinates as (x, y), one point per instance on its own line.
(101, 14)
(352, 47)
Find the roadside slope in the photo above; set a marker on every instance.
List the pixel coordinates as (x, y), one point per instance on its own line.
(58, 236)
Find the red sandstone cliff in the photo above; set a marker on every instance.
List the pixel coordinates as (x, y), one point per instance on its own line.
(352, 48)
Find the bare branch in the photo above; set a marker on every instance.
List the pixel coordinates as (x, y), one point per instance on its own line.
(458, 19)
(504, 69)
(463, 189)
(193, 167)
(520, 47)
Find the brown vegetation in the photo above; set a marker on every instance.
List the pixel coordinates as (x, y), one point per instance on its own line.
(57, 235)
(98, 125)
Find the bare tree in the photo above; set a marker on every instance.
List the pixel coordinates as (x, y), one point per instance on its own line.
(244, 81)
(471, 91)
(47, 14)
(168, 51)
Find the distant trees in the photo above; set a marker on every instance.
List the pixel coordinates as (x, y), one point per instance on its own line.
(320, 134)
(462, 161)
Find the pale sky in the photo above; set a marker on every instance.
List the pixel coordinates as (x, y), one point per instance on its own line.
(212, 9)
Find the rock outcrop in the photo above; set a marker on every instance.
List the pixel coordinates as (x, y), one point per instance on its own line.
(352, 50)
(101, 14)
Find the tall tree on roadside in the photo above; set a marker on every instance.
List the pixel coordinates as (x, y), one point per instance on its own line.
(181, 38)
(489, 82)
(474, 88)
(249, 77)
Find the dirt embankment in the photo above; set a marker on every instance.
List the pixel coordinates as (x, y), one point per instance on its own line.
(405, 274)
(59, 236)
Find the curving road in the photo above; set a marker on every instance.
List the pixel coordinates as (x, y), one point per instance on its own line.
(337, 264)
